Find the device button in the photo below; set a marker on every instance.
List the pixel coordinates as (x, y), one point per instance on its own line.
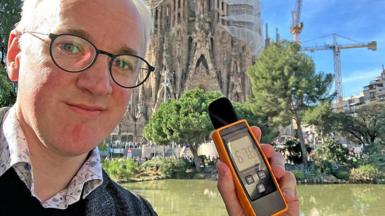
(257, 168)
(249, 179)
(261, 188)
(261, 174)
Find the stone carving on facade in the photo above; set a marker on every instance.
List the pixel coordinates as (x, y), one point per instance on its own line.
(190, 48)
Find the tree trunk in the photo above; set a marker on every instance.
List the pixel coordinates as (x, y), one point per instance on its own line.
(164, 151)
(301, 140)
(197, 161)
(372, 138)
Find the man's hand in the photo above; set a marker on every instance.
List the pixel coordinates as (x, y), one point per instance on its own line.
(285, 179)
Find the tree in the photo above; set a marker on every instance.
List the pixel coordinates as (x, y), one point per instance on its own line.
(324, 118)
(7, 90)
(161, 127)
(9, 15)
(284, 85)
(245, 111)
(366, 125)
(183, 121)
(333, 152)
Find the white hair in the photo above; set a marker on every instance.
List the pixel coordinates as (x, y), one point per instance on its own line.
(147, 19)
(32, 21)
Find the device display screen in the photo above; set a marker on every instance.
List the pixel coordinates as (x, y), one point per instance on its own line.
(245, 153)
(249, 163)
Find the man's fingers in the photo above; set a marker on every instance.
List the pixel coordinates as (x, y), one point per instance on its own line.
(289, 190)
(277, 162)
(268, 150)
(257, 132)
(227, 189)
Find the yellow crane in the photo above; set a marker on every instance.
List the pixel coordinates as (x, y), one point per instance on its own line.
(296, 29)
(297, 25)
(336, 48)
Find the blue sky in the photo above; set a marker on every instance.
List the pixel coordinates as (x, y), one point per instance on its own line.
(360, 20)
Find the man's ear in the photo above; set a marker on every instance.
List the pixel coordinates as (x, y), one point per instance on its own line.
(13, 56)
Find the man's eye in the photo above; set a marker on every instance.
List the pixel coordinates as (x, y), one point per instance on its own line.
(70, 48)
(123, 65)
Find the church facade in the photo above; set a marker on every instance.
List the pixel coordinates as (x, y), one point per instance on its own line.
(205, 44)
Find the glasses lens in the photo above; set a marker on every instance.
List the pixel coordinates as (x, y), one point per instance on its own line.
(129, 71)
(72, 53)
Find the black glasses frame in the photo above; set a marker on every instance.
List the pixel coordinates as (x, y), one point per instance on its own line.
(53, 37)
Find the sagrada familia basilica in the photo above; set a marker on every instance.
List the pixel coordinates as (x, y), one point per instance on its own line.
(196, 43)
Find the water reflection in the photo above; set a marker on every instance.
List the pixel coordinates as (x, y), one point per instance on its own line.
(182, 197)
(346, 200)
(200, 197)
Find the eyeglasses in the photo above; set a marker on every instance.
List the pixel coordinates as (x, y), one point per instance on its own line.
(74, 54)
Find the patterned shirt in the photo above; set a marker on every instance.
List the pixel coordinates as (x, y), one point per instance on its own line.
(14, 153)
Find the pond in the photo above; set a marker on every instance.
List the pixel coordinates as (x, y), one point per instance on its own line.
(200, 198)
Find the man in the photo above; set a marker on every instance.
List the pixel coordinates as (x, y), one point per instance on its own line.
(75, 62)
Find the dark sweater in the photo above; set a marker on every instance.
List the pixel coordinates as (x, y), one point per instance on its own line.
(109, 199)
(16, 199)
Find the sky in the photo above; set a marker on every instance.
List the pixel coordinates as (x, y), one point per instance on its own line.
(360, 20)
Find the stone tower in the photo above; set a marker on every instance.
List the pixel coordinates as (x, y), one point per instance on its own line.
(196, 43)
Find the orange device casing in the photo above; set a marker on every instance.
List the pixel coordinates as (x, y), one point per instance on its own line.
(224, 156)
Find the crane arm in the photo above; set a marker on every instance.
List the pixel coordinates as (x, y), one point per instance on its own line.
(317, 48)
(372, 46)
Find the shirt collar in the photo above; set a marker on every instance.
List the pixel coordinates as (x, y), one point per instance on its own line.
(14, 153)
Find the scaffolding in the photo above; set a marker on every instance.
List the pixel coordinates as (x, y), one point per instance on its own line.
(242, 21)
(154, 3)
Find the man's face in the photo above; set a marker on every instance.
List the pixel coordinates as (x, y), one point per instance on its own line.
(71, 113)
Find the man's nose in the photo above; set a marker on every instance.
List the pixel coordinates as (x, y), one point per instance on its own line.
(97, 78)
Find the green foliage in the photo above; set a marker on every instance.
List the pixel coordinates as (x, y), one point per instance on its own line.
(366, 125)
(183, 121)
(323, 117)
(341, 174)
(103, 147)
(284, 82)
(375, 154)
(311, 174)
(194, 124)
(284, 85)
(120, 169)
(245, 111)
(294, 149)
(299, 174)
(366, 174)
(168, 168)
(9, 15)
(7, 91)
(332, 151)
(158, 129)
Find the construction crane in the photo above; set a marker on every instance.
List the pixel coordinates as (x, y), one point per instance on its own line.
(297, 25)
(336, 48)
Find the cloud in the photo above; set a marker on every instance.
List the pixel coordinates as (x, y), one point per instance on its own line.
(353, 84)
(361, 75)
